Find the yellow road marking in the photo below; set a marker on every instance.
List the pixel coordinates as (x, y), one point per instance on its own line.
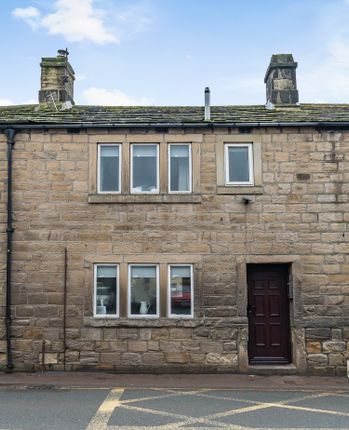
(319, 411)
(112, 401)
(103, 414)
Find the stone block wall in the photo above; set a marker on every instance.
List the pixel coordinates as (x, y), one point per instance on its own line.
(301, 218)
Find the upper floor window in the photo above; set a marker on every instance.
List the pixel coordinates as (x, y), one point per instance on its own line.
(106, 290)
(109, 168)
(144, 168)
(238, 164)
(180, 170)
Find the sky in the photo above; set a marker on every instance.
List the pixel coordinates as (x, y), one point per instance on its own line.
(165, 52)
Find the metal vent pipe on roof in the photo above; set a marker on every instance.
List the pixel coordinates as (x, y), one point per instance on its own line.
(207, 104)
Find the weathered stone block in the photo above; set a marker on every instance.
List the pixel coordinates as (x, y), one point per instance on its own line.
(207, 346)
(336, 360)
(130, 358)
(127, 333)
(160, 334)
(110, 357)
(180, 333)
(88, 358)
(145, 334)
(49, 358)
(222, 359)
(317, 360)
(318, 333)
(153, 358)
(170, 346)
(334, 346)
(180, 357)
(313, 347)
(137, 346)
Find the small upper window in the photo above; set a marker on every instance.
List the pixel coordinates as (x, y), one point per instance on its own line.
(239, 164)
(109, 168)
(179, 168)
(144, 168)
(106, 290)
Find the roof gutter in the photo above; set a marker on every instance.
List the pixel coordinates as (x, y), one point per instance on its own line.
(211, 124)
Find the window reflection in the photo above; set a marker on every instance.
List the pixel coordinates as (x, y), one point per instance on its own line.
(109, 166)
(143, 286)
(180, 290)
(180, 168)
(106, 290)
(238, 164)
(145, 170)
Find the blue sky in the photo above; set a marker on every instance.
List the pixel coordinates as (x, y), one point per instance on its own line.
(164, 52)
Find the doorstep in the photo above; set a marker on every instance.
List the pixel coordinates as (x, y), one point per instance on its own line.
(272, 369)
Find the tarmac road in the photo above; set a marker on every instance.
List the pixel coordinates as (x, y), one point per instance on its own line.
(80, 408)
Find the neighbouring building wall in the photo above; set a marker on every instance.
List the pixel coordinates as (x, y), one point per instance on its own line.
(298, 215)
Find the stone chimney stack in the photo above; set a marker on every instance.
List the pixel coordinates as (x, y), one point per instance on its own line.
(280, 80)
(57, 79)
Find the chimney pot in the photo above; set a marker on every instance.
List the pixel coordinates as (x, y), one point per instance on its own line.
(57, 80)
(280, 79)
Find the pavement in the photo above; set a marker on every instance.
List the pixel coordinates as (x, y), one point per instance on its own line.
(187, 381)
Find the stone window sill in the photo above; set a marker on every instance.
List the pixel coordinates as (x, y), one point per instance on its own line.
(239, 190)
(160, 322)
(145, 198)
(142, 322)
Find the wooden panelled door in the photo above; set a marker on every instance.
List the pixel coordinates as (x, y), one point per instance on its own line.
(268, 314)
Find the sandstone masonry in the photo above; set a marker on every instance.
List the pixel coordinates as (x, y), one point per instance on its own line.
(293, 215)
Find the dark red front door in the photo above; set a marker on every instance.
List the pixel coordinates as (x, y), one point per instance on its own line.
(268, 313)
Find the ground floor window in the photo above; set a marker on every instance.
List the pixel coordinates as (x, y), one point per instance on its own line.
(143, 291)
(180, 290)
(106, 290)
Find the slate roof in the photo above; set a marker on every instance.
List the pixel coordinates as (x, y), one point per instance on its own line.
(171, 115)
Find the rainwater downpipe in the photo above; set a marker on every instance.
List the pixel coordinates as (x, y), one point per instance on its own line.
(10, 134)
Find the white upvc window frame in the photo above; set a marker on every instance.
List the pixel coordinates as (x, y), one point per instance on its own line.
(99, 146)
(248, 145)
(106, 316)
(129, 315)
(169, 310)
(190, 168)
(133, 191)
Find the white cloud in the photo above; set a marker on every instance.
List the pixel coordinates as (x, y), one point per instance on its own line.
(80, 21)
(30, 15)
(101, 96)
(25, 13)
(328, 80)
(6, 102)
(76, 21)
(133, 20)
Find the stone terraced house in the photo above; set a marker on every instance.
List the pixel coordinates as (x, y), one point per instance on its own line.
(175, 239)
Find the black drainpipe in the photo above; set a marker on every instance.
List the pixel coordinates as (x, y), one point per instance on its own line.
(10, 133)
